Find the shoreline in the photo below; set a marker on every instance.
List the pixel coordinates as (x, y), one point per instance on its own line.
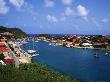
(75, 46)
(63, 75)
(21, 55)
(87, 48)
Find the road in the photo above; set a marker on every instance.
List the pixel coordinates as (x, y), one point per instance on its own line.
(16, 59)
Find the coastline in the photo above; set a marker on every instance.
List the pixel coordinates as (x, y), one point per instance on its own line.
(99, 42)
(44, 67)
(21, 55)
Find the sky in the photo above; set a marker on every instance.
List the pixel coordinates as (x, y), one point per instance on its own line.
(57, 16)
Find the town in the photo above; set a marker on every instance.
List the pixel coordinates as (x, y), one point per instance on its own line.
(76, 41)
(10, 51)
(16, 65)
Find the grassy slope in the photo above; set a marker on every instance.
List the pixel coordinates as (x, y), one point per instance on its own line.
(33, 72)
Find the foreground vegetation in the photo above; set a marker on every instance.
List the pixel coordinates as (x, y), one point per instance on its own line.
(33, 72)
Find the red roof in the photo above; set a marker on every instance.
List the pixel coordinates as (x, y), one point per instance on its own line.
(3, 49)
(8, 61)
(2, 44)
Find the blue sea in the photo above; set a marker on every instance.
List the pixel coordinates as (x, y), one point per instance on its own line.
(76, 63)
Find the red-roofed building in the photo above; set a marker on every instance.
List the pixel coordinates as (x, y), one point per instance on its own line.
(2, 44)
(4, 49)
(8, 60)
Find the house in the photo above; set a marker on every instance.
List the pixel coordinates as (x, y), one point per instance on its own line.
(8, 60)
(3, 47)
(3, 39)
(2, 44)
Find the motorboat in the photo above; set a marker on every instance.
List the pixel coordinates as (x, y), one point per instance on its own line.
(31, 51)
(35, 55)
(107, 54)
(96, 55)
(36, 41)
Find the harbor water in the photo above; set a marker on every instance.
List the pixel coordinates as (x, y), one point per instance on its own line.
(76, 63)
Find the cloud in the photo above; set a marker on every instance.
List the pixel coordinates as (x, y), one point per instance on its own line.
(82, 12)
(67, 2)
(49, 3)
(63, 18)
(3, 8)
(29, 8)
(17, 3)
(94, 21)
(105, 20)
(68, 11)
(52, 19)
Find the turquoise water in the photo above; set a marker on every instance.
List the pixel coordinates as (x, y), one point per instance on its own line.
(77, 63)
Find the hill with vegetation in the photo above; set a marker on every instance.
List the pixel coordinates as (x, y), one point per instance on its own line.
(33, 72)
(18, 33)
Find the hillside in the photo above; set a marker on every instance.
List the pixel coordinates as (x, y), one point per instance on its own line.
(33, 72)
(16, 31)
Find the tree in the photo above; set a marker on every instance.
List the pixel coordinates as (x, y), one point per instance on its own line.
(2, 56)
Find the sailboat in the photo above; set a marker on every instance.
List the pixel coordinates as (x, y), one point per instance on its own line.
(33, 52)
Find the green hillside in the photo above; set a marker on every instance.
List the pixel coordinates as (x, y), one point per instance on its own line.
(18, 33)
(33, 72)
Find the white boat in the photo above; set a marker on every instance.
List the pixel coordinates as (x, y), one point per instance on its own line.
(24, 42)
(36, 41)
(33, 52)
(50, 44)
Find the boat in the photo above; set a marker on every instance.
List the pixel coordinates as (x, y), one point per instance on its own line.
(36, 41)
(107, 54)
(50, 44)
(33, 52)
(35, 55)
(24, 42)
(46, 40)
(96, 55)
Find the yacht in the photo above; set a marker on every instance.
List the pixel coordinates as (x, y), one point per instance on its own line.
(33, 52)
